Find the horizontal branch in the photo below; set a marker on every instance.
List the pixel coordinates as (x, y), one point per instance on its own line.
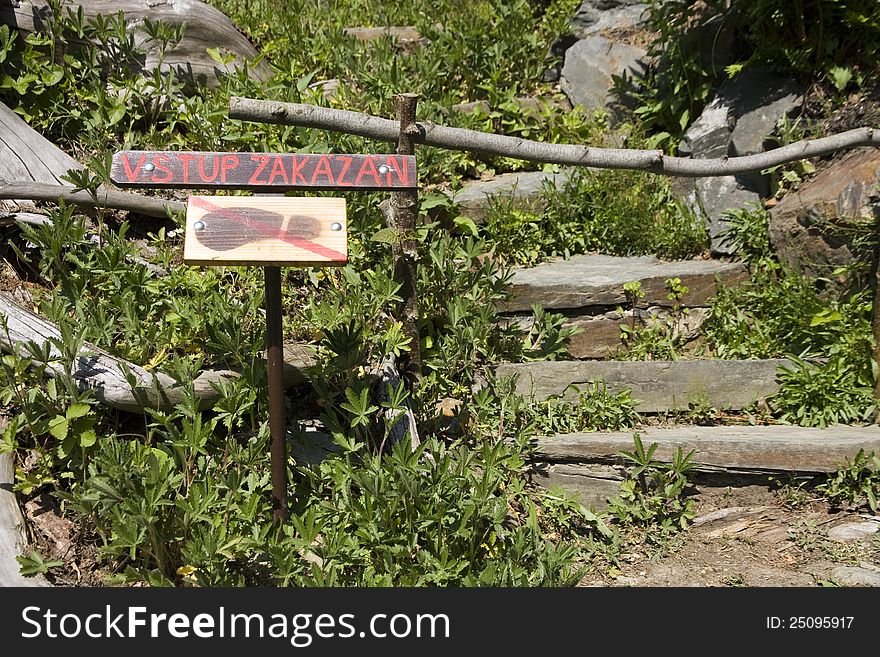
(107, 198)
(356, 123)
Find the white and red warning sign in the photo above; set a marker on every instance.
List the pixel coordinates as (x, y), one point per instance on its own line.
(260, 230)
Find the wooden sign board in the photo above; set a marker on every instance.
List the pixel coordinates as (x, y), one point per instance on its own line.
(190, 170)
(265, 230)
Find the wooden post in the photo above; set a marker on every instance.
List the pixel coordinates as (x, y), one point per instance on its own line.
(875, 313)
(275, 375)
(402, 217)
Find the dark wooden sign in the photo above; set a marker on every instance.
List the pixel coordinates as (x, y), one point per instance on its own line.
(265, 230)
(189, 170)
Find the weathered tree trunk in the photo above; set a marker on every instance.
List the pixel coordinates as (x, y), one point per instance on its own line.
(31, 167)
(206, 27)
(13, 540)
(94, 368)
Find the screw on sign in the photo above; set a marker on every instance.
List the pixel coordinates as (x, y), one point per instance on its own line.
(269, 231)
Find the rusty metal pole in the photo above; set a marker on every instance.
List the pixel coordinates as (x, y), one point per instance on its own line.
(275, 374)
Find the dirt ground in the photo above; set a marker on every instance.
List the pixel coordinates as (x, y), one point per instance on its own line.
(755, 536)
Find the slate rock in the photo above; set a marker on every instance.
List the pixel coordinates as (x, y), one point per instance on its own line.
(709, 135)
(598, 280)
(758, 100)
(855, 576)
(523, 189)
(853, 531)
(810, 228)
(594, 16)
(589, 66)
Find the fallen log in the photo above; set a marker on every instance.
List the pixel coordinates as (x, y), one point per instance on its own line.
(204, 27)
(32, 167)
(104, 373)
(13, 539)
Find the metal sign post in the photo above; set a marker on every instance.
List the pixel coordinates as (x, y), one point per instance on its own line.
(267, 231)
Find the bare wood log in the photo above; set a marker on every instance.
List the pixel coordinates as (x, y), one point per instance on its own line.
(103, 373)
(26, 155)
(205, 27)
(13, 540)
(31, 167)
(365, 125)
(107, 198)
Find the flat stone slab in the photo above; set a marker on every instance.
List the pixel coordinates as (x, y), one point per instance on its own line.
(591, 483)
(657, 385)
(598, 280)
(599, 335)
(740, 448)
(523, 189)
(856, 576)
(853, 531)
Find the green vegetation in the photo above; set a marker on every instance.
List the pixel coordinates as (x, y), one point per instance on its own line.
(700, 44)
(181, 496)
(856, 483)
(824, 329)
(618, 213)
(655, 493)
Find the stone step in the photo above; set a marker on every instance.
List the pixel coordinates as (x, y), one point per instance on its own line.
(523, 189)
(598, 280)
(658, 385)
(599, 335)
(747, 449)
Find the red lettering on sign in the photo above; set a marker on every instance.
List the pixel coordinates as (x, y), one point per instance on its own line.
(229, 162)
(215, 169)
(263, 161)
(346, 163)
(368, 168)
(132, 174)
(297, 167)
(402, 172)
(278, 170)
(323, 168)
(160, 160)
(186, 158)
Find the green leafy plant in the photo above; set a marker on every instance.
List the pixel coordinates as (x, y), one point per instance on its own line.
(618, 213)
(655, 493)
(855, 483)
(662, 338)
(34, 564)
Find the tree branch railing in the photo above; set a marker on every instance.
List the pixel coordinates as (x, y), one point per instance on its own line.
(460, 139)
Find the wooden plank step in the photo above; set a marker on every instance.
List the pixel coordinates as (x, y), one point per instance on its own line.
(598, 280)
(659, 385)
(732, 448)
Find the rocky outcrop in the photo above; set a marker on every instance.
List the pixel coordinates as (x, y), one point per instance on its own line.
(738, 121)
(591, 63)
(522, 189)
(596, 16)
(812, 228)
